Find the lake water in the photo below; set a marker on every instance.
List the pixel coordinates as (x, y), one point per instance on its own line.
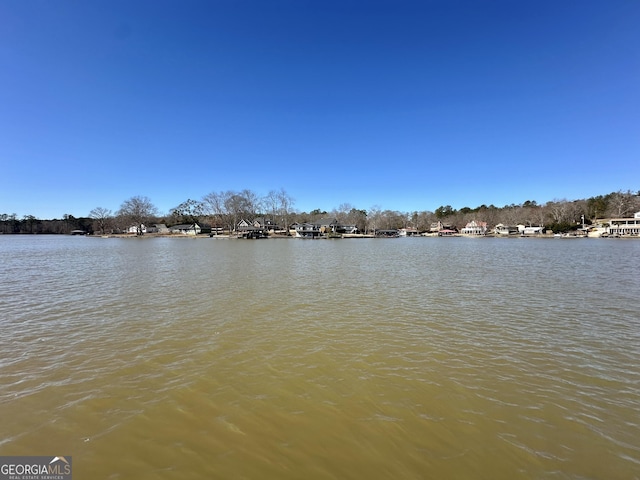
(444, 358)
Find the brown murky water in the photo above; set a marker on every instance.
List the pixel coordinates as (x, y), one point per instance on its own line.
(349, 359)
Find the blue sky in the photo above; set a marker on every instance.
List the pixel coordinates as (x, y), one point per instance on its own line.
(407, 105)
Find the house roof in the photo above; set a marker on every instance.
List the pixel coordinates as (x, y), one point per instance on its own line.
(326, 222)
(263, 222)
(473, 224)
(185, 226)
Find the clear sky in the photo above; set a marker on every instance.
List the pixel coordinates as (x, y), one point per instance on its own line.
(407, 105)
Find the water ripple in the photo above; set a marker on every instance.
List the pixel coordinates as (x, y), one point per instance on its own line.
(293, 359)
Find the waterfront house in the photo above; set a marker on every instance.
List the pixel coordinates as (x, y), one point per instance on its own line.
(137, 229)
(264, 224)
(158, 228)
(530, 230)
(307, 230)
(186, 229)
(322, 227)
(350, 229)
(475, 228)
(625, 226)
(327, 225)
(245, 229)
(408, 232)
(243, 225)
(501, 229)
(438, 227)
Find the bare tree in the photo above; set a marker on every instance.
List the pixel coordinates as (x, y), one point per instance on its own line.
(597, 207)
(425, 219)
(213, 205)
(374, 218)
(137, 210)
(101, 217)
(253, 203)
(558, 210)
(539, 215)
(237, 206)
(390, 219)
(620, 204)
(342, 212)
(271, 204)
(358, 217)
(189, 212)
(576, 211)
(564, 215)
(511, 215)
(286, 204)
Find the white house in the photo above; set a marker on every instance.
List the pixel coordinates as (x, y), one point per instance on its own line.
(502, 229)
(625, 226)
(530, 230)
(475, 228)
(186, 229)
(134, 229)
(408, 232)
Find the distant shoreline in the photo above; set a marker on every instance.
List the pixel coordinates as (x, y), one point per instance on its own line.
(349, 236)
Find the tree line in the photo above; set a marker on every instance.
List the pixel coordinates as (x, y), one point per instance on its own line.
(10, 223)
(224, 209)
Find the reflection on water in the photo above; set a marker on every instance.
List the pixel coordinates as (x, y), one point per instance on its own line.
(402, 358)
